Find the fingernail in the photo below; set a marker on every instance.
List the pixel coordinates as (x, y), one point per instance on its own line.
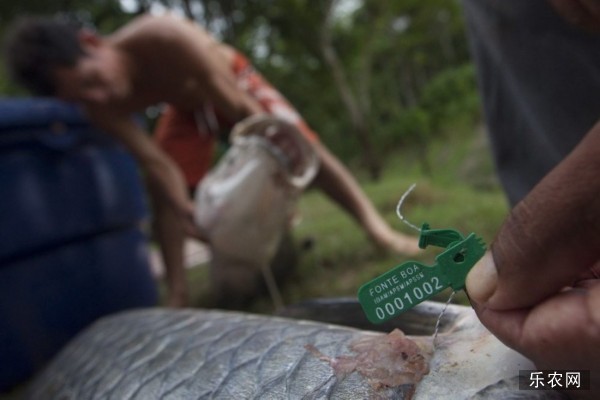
(482, 279)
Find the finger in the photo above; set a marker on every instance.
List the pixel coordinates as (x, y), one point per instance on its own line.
(549, 240)
(537, 256)
(528, 264)
(192, 230)
(567, 322)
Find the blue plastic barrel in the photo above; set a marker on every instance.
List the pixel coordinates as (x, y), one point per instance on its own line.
(71, 244)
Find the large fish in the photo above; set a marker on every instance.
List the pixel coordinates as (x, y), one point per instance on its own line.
(197, 354)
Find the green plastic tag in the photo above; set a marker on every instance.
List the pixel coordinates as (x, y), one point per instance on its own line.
(411, 282)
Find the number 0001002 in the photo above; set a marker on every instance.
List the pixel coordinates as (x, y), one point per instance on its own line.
(418, 293)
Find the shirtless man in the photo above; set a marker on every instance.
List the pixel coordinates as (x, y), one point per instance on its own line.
(163, 60)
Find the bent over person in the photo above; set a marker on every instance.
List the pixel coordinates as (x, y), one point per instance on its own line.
(170, 60)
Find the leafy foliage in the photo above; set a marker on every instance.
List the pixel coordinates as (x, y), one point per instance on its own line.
(450, 95)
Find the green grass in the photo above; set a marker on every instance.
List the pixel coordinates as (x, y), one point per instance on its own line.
(460, 192)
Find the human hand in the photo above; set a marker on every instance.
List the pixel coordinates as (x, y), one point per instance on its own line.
(582, 13)
(538, 290)
(560, 332)
(190, 227)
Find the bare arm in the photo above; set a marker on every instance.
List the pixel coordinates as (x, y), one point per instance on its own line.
(165, 181)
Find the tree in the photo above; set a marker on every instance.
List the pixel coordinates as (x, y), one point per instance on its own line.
(356, 101)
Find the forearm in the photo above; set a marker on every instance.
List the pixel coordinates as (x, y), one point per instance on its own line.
(162, 175)
(170, 236)
(167, 183)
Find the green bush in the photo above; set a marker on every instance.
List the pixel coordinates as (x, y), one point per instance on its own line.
(408, 127)
(451, 97)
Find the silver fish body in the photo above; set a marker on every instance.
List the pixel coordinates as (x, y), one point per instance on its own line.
(199, 354)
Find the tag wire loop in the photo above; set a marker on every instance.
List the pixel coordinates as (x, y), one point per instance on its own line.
(399, 207)
(437, 324)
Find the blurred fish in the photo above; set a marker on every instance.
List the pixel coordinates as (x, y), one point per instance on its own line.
(197, 354)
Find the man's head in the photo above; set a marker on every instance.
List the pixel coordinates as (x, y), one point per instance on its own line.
(35, 47)
(51, 57)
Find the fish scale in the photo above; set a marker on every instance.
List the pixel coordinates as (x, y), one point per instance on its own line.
(190, 354)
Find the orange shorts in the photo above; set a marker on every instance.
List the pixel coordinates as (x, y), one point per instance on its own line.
(189, 139)
(192, 150)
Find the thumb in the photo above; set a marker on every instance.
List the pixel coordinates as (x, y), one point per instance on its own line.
(482, 280)
(549, 240)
